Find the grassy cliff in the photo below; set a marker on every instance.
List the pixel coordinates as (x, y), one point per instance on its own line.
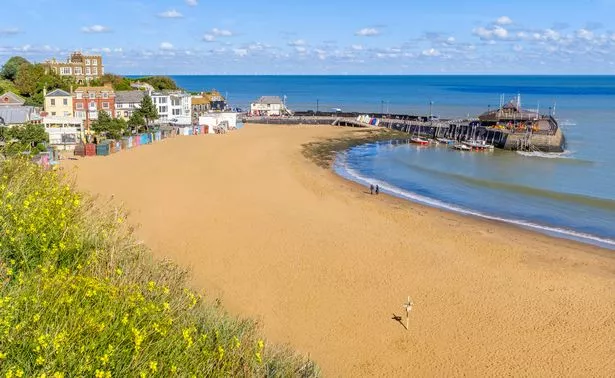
(80, 297)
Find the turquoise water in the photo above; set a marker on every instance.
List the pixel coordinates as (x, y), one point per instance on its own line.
(569, 195)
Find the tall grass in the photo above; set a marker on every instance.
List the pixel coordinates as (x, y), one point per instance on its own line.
(78, 297)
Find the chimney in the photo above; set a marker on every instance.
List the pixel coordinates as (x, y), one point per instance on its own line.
(71, 89)
(44, 91)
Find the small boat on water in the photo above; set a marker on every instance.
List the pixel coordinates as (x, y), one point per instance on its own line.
(419, 140)
(478, 145)
(461, 147)
(445, 141)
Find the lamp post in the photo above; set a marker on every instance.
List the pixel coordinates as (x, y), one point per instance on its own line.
(317, 104)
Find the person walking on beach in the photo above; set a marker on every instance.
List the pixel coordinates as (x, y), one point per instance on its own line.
(377, 190)
(371, 189)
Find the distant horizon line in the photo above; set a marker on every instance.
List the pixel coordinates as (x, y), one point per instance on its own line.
(384, 75)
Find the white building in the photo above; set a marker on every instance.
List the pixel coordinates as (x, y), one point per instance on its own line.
(173, 107)
(268, 106)
(223, 121)
(64, 132)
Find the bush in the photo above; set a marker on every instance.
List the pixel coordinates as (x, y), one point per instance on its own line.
(79, 297)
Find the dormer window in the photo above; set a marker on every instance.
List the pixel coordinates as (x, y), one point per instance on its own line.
(105, 95)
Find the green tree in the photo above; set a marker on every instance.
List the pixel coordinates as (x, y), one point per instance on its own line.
(28, 78)
(148, 110)
(12, 66)
(110, 127)
(118, 82)
(160, 82)
(136, 121)
(30, 138)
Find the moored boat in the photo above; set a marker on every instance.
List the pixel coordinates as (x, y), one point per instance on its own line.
(461, 147)
(419, 140)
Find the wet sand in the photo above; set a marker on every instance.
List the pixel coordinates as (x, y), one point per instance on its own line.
(325, 266)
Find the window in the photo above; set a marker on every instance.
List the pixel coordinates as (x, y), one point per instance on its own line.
(65, 71)
(162, 109)
(53, 113)
(92, 95)
(126, 113)
(105, 95)
(105, 105)
(87, 62)
(79, 95)
(53, 102)
(176, 112)
(163, 100)
(95, 62)
(92, 105)
(79, 105)
(87, 71)
(65, 101)
(94, 71)
(66, 114)
(80, 114)
(78, 71)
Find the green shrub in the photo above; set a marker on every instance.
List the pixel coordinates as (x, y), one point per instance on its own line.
(79, 297)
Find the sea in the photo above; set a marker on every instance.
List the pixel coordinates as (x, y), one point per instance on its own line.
(568, 195)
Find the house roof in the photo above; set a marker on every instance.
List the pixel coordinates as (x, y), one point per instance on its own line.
(269, 100)
(128, 97)
(105, 88)
(200, 101)
(58, 93)
(15, 115)
(10, 98)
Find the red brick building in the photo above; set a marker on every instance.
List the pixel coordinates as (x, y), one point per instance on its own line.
(89, 101)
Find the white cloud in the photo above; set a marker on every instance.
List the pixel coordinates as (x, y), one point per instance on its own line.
(585, 34)
(357, 47)
(192, 3)
(171, 13)
(450, 41)
(209, 38)
(300, 49)
(488, 34)
(504, 20)
(221, 32)
(431, 52)
(297, 43)
(9, 31)
(367, 32)
(240, 52)
(95, 29)
(166, 46)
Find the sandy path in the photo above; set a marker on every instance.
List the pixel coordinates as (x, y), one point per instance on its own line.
(325, 266)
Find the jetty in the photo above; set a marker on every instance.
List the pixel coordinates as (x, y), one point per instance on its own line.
(509, 127)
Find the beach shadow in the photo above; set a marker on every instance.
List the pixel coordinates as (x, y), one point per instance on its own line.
(398, 319)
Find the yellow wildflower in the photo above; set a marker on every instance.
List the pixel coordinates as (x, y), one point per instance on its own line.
(19, 373)
(2, 356)
(57, 374)
(40, 360)
(153, 366)
(118, 271)
(173, 369)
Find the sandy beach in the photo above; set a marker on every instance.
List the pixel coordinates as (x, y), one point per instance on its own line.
(324, 266)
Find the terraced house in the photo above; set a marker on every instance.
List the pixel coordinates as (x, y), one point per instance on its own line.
(126, 102)
(89, 101)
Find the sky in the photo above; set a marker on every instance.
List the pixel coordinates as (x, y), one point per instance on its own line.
(400, 37)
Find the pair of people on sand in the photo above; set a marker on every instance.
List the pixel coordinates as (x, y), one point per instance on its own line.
(373, 189)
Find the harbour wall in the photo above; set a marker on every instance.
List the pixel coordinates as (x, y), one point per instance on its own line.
(458, 130)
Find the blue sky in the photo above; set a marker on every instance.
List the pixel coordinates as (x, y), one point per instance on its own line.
(318, 36)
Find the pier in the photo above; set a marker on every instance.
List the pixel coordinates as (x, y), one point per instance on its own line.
(548, 138)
